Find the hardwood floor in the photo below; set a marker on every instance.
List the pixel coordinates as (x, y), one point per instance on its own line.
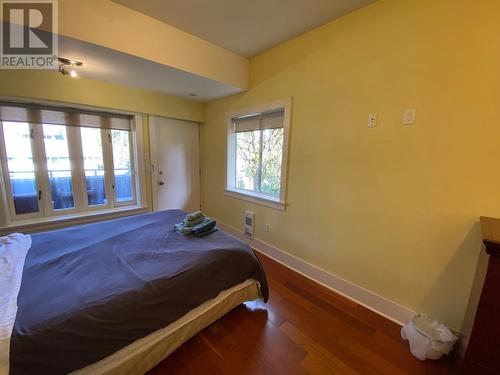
(303, 329)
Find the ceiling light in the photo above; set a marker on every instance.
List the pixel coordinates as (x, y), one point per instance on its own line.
(65, 64)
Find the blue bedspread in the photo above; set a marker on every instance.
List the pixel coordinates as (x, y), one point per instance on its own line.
(88, 291)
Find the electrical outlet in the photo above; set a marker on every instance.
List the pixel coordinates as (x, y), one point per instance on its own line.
(372, 120)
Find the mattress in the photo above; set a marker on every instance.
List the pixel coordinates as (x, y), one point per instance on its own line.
(89, 291)
(144, 354)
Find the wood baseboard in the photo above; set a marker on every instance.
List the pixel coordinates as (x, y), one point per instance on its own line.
(382, 306)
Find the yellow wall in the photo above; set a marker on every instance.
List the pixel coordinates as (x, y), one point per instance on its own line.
(43, 85)
(46, 85)
(392, 209)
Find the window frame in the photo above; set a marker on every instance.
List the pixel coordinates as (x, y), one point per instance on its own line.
(43, 171)
(230, 157)
(107, 179)
(7, 192)
(10, 219)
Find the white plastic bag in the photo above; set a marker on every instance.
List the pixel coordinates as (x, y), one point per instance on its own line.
(428, 338)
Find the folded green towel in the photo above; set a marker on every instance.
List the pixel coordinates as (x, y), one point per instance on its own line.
(207, 225)
(194, 215)
(182, 229)
(192, 223)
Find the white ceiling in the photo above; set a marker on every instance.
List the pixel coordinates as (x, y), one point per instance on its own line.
(246, 27)
(105, 64)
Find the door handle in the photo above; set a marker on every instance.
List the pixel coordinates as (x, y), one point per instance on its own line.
(161, 183)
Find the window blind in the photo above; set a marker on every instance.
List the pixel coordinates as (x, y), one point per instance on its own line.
(259, 121)
(42, 114)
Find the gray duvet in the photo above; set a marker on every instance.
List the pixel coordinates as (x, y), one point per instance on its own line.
(90, 290)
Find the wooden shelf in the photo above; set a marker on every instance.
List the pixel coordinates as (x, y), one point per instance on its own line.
(490, 227)
(483, 352)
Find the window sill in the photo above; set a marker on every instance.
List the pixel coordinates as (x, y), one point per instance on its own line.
(256, 198)
(29, 226)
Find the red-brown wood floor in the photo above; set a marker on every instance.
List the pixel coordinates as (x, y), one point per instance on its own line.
(303, 329)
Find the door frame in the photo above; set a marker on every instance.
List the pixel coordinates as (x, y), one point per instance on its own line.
(152, 149)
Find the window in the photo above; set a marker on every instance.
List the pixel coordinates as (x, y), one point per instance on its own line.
(257, 154)
(122, 166)
(21, 169)
(93, 166)
(58, 161)
(58, 166)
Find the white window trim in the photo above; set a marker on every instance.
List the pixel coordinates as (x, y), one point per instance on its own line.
(55, 222)
(230, 189)
(7, 222)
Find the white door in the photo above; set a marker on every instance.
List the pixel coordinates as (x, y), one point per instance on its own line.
(175, 157)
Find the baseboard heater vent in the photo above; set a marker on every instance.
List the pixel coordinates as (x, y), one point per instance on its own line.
(249, 224)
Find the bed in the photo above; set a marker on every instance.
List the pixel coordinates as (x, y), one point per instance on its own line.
(119, 296)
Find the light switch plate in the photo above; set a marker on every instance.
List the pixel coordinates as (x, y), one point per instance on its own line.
(409, 116)
(372, 120)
